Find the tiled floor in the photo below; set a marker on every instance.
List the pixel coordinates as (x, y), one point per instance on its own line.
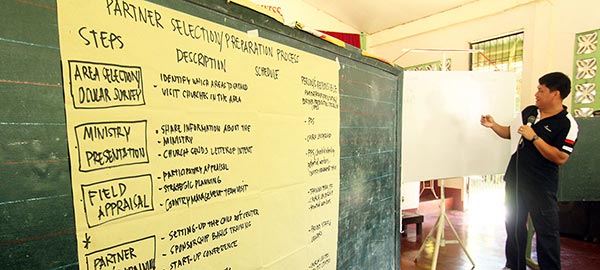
(482, 231)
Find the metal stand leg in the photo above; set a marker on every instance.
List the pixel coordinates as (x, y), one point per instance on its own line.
(439, 239)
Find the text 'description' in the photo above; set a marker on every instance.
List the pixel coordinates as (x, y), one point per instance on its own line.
(98, 85)
(117, 198)
(137, 254)
(111, 144)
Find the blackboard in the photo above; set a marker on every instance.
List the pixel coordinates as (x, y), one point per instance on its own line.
(37, 225)
(580, 176)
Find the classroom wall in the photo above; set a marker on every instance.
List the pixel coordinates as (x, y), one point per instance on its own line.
(549, 36)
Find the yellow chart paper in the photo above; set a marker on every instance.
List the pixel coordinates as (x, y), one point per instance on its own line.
(194, 145)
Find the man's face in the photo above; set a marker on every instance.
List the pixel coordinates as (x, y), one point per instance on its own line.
(544, 96)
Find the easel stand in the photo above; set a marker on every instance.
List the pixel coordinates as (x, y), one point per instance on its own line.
(439, 238)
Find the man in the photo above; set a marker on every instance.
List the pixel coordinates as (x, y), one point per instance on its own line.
(548, 135)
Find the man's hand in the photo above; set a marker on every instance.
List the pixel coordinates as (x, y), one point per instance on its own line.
(502, 131)
(527, 132)
(487, 121)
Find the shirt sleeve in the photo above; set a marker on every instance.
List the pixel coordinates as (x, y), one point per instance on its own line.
(568, 143)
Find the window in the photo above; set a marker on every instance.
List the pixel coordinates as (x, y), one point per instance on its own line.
(504, 53)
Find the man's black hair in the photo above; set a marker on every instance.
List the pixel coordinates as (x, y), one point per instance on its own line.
(557, 81)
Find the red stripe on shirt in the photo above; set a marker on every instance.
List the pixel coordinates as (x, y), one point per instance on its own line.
(569, 141)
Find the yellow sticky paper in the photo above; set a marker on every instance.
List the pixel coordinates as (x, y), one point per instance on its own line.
(194, 145)
(251, 5)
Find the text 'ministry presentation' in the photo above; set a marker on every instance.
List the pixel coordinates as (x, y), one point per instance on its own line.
(193, 145)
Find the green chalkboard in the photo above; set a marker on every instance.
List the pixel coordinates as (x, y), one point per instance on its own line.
(37, 228)
(580, 176)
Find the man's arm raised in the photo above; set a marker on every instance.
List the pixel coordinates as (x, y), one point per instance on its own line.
(502, 131)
